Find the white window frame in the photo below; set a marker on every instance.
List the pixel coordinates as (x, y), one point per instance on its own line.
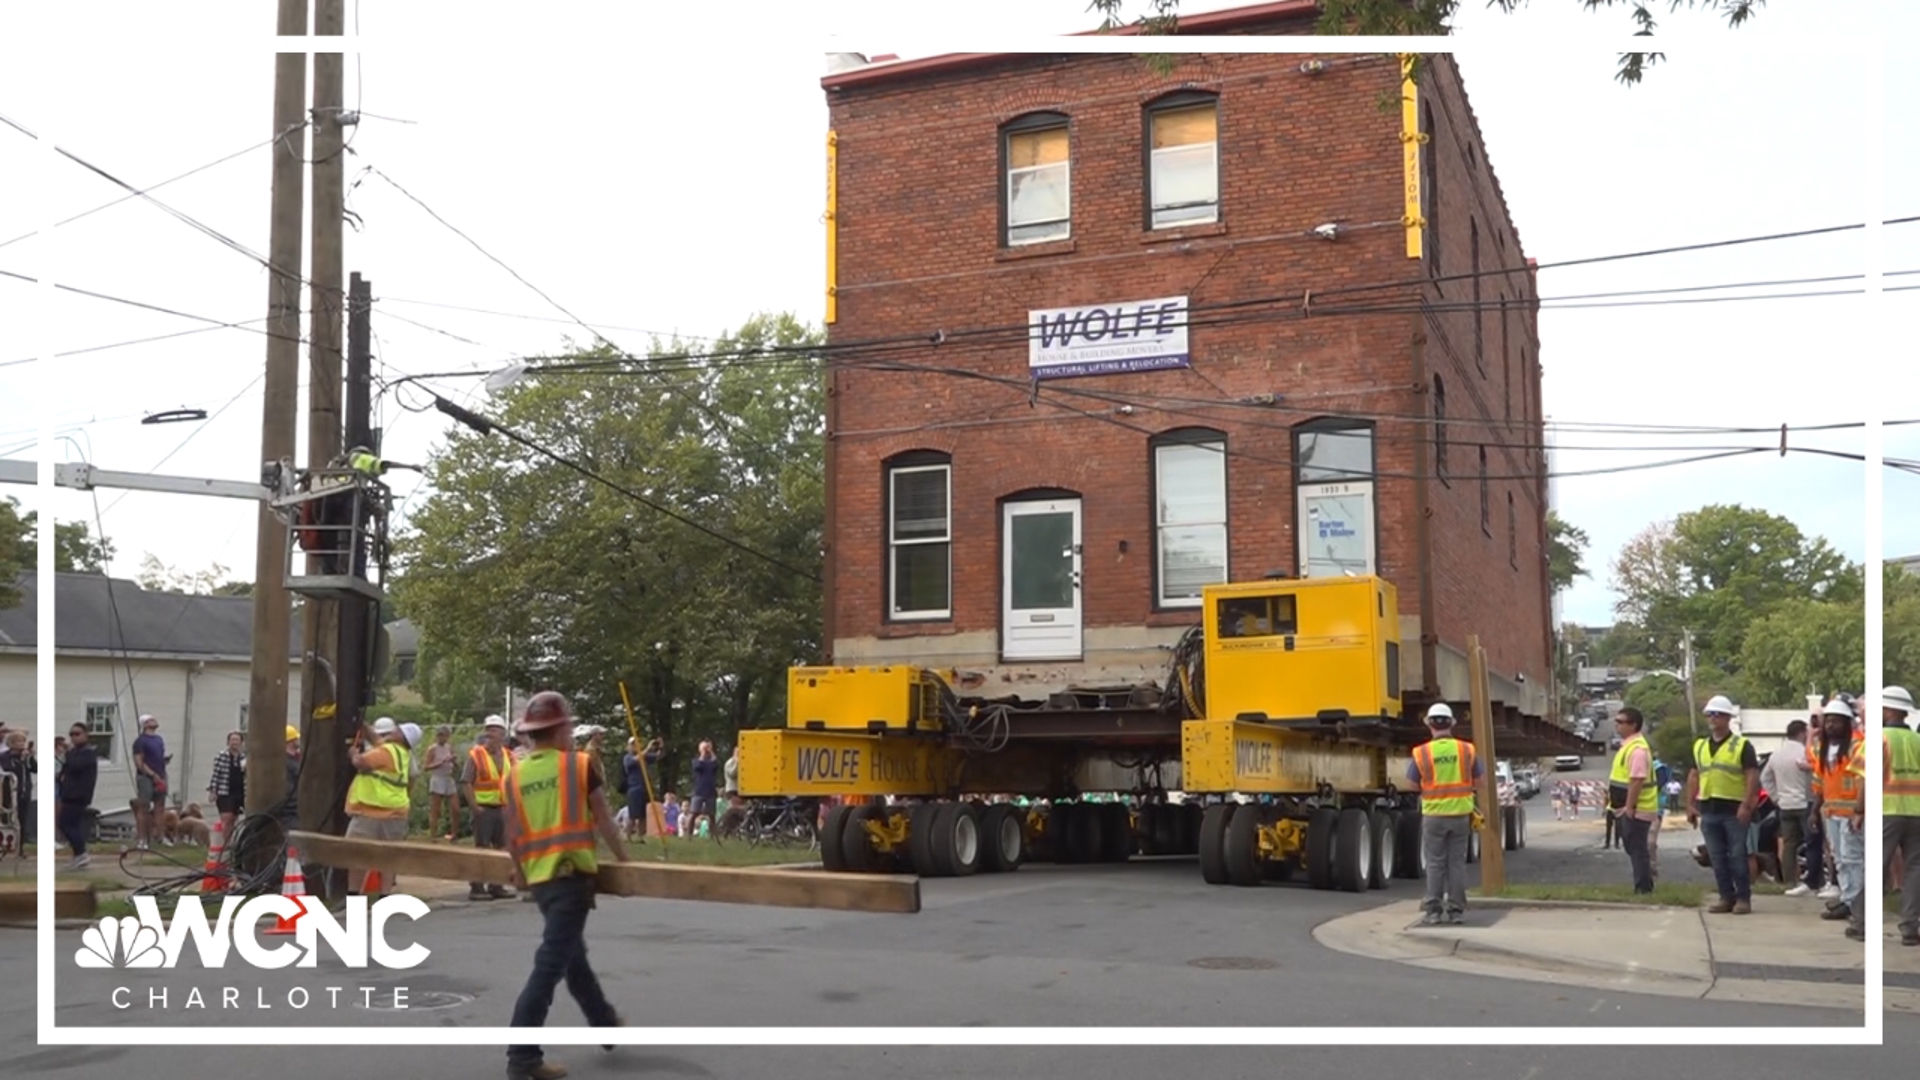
(1217, 447)
(894, 611)
(1065, 221)
(87, 706)
(1154, 207)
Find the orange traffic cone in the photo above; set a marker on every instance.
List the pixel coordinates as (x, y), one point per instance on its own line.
(371, 887)
(214, 881)
(292, 883)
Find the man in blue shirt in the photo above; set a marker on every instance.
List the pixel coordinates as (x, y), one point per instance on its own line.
(706, 783)
(150, 781)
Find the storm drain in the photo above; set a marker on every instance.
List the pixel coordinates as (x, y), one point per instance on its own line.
(421, 1000)
(1234, 963)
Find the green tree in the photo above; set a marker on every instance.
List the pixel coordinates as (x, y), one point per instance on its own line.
(1805, 647)
(16, 550)
(75, 549)
(1430, 17)
(1900, 627)
(1566, 552)
(538, 576)
(1715, 571)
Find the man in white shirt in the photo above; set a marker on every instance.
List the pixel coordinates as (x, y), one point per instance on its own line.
(1788, 778)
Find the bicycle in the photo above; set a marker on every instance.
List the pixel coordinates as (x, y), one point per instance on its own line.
(786, 824)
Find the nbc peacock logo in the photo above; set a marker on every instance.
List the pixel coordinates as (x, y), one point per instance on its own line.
(125, 942)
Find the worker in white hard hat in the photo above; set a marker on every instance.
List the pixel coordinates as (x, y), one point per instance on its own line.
(381, 796)
(1839, 767)
(1723, 787)
(1900, 803)
(483, 784)
(1444, 769)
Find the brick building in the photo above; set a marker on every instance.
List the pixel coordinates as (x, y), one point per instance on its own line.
(1117, 348)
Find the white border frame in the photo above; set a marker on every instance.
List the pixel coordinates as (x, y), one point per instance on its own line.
(1870, 1033)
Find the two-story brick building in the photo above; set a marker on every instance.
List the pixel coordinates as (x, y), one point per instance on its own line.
(1107, 333)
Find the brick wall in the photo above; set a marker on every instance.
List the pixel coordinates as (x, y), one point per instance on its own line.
(919, 222)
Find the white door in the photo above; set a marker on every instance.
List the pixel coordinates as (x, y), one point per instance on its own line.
(1336, 530)
(1040, 578)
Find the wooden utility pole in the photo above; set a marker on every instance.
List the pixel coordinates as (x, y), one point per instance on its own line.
(272, 640)
(1493, 856)
(320, 627)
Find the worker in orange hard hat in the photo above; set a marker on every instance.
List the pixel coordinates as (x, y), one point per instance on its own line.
(556, 802)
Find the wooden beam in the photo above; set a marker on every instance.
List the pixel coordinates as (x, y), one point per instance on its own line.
(720, 884)
(1493, 857)
(20, 901)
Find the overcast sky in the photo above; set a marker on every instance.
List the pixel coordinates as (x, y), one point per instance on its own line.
(659, 171)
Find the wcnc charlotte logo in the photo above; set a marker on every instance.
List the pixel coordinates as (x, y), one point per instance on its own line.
(150, 940)
(147, 940)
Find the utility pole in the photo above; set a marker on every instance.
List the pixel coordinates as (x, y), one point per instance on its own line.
(1686, 671)
(320, 626)
(272, 640)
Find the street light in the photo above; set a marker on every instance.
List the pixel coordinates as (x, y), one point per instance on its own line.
(506, 376)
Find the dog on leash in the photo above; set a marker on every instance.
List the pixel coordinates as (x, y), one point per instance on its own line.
(185, 826)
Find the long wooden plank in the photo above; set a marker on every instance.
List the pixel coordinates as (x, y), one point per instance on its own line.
(720, 884)
(20, 901)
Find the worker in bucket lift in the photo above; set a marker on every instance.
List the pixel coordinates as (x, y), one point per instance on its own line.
(1444, 770)
(556, 802)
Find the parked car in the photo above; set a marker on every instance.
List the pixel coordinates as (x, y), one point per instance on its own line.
(1568, 763)
(1527, 780)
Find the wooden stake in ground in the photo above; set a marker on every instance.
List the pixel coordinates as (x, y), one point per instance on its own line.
(1493, 856)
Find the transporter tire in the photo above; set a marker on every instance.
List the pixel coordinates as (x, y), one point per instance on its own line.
(1352, 850)
(1510, 828)
(856, 847)
(1523, 824)
(1190, 819)
(1003, 833)
(831, 857)
(1213, 842)
(920, 834)
(1385, 849)
(1086, 833)
(956, 839)
(1320, 836)
(1242, 848)
(1168, 829)
(1473, 845)
(1061, 823)
(1408, 858)
(1116, 833)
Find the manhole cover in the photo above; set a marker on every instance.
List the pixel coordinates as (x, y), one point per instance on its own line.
(425, 999)
(1233, 963)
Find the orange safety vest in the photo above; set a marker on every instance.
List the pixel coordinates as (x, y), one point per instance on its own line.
(488, 778)
(1841, 783)
(1454, 796)
(547, 795)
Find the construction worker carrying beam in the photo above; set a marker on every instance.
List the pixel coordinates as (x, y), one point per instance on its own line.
(381, 795)
(556, 802)
(1444, 769)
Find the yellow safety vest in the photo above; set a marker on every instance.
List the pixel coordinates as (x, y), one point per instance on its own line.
(366, 463)
(1446, 777)
(1649, 790)
(1901, 796)
(547, 794)
(1721, 775)
(386, 790)
(488, 777)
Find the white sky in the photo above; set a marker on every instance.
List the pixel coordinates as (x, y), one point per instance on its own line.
(660, 170)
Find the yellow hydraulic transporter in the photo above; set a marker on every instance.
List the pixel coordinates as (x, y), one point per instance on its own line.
(1282, 712)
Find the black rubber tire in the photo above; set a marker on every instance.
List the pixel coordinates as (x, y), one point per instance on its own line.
(956, 839)
(994, 854)
(1165, 830)
(1242, 848)
(1061, 823)
(1117, 833)
(1213, 841)
(1523, 825)
(1473, 845)
(1510, 828)
(1385, 849)
(856, 848)
(920, 836)
(1350, 854)
(1320, 835)
(1408, 851)
(1086, 833)
(831, 857)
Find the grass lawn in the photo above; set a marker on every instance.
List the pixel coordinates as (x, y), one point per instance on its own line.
(696, 851)
(1670, 895)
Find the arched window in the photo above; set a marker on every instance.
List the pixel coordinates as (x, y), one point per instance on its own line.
(919, 515)
(1190, 514)
(1036, 196)
(1182, 148)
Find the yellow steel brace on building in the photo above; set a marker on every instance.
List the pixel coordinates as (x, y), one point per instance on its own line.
(1410, 139)
(833, 226)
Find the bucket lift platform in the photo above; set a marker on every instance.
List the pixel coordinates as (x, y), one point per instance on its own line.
(336, 532)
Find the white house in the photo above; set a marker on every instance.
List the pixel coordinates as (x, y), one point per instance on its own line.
(122, 651)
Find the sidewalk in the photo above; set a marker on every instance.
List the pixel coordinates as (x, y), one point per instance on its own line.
(1783, 953)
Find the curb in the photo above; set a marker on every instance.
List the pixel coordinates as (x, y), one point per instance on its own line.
(1514, 902)
(1467, 949)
